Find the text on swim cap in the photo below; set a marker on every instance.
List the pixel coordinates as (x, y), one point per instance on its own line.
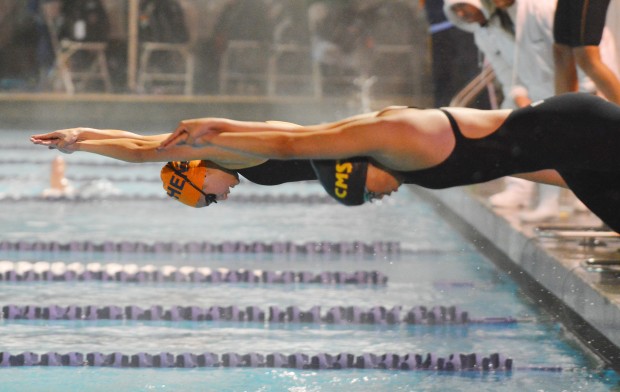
(175, 187)
(342, 175)
(176, 184)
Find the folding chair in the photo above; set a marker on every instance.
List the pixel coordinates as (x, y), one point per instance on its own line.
(244, 65)
(290, 68)
(149, 74)
(64, 71)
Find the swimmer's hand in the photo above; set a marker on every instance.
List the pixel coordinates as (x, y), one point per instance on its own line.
(196, 133)
(64, 140)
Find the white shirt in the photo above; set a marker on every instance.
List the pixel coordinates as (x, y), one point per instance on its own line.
(534, 69)
(497, 45)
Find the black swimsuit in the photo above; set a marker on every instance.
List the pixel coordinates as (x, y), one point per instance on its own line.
(275, 172)
(576, 134)
(579, 22)
(472, 161)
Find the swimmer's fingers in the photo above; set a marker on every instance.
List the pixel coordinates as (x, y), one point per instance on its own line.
(67, 136)
(45, 142)
(195, 133)
(51, 144)
(200, 136)
(42, 136)
(200, 132)
(45, 139)
(176, 138)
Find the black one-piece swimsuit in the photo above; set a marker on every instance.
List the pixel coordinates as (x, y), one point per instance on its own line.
(576, 134)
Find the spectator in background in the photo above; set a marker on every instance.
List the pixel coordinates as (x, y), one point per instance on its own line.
(340, 32)
(44, 50)
(163, 21)
(394, 24)
(577, 32)
(348, 37)
(497, 44)
(84, 20)
(18, 42)
(534, 78)
(454, 54)
(243, 20)
(290, 21)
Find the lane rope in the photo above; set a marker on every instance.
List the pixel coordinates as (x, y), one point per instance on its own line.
(428, 362)
(24, 271)
(376, 315)
(310, 247)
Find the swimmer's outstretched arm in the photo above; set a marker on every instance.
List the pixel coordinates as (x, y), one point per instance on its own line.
(190, 131)
(131, 147)
(64, 139)
(140, 151)
(398, 141)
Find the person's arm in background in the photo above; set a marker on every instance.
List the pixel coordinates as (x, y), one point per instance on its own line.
(534, 65)
(498, 48)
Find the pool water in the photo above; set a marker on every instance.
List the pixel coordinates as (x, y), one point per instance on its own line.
(434, 266)
(108, 379)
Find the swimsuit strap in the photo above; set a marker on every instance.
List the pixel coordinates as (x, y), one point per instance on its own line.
(455, 127)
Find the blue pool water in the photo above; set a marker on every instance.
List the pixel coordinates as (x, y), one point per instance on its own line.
(435, 267)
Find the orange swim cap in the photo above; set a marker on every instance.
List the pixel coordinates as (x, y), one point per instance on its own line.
(177, 187)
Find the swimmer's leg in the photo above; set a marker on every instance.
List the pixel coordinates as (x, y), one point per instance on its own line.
(599, 191)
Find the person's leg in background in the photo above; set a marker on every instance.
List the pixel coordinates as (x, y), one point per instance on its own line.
(577, 31)
(548, 206)
(516, 194)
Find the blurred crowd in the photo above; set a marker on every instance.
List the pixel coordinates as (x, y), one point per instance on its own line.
(341, 35)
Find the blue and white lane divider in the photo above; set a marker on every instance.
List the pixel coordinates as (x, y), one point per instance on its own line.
(377, 315)
(24, 271)
(286, 247)
(410, 361)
